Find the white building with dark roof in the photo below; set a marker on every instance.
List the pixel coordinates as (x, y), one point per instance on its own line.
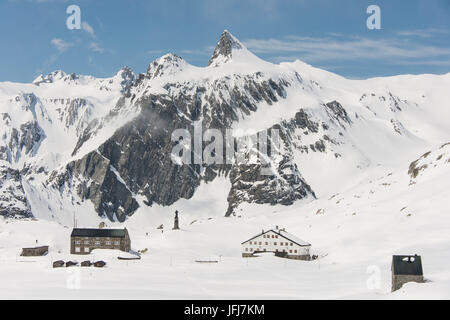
(278, 241)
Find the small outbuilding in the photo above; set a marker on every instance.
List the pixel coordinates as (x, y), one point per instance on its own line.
(58, 264)
(99, 264)
(406, 269)
(71, 264)
(86, 263)
(34, 252)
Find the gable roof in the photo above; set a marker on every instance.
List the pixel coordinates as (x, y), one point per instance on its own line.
(112, 233)
(407, 265)
(293, 238)
(285, 235)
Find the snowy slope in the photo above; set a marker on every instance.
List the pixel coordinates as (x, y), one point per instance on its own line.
(42, 121)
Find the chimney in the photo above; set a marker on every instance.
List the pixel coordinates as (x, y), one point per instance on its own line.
(276, 227)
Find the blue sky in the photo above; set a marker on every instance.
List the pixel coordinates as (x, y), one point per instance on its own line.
(414, 36)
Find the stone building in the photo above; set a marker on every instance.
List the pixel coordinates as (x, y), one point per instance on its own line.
(406, 269)
(278, 241)
(34, 252)
(83, 241)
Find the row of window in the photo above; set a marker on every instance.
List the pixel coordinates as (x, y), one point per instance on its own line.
(275, 243)
(97, 243)
(284, 250)
(274, 236)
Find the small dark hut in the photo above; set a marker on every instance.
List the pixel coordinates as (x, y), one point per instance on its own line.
(406, 269)
(34, 252)
(71, 263)
(86, 263)
(99, 264)
(58, 264)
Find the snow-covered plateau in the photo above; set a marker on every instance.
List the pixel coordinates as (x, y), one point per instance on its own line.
(363, 174)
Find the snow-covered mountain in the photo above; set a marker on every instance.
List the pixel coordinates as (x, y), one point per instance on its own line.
(72, 143)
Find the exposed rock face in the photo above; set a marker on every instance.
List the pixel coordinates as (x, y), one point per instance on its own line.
(21, 138)
(276, 181)
(168, 64)
(13, 201)
(126, 77)
(337, 113)
(224, 49)
(431, 162)
(136, 160)
(38, 125)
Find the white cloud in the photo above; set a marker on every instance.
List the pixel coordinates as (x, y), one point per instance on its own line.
(205, 51)
(339, 48)
(422, 33)
(60, 44)
(94, 46)
(155, 51)
(86, 27)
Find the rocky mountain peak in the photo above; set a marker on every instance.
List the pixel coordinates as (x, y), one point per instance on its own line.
(168, 64)
(224, 49)
(126, 72)
(57, 75)
(50, 78)
(126, 77)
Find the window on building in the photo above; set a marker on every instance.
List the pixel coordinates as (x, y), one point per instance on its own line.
(86, 250)
(295, 251)
(260, 243)
(116, 243)
(108, 243)
(251, 249)
(250, 242)
(276, 237)
(290, 251)
(267, 243)
(78, 242)
(275, 243)
(77, 249)
(86, 242)
(246, 249)
(291, 243)
(97, 243)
